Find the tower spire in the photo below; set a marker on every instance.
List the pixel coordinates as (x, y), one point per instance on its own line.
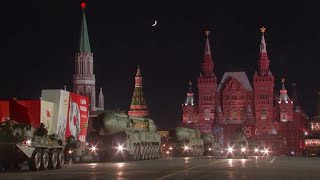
(284, 93)
(84, 78)
(207, 64)
(84, 37)
(263, 57)
(138, 107)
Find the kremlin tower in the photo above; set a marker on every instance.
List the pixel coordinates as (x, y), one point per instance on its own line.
(190, 114)
(207, 87)
(263, 83)
(138, 107)
(83, 78)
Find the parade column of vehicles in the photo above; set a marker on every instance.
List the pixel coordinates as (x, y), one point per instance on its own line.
(19, 144)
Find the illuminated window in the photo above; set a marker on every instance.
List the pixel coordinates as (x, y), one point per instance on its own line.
(207, 114)
(234, 114)
(263, 114)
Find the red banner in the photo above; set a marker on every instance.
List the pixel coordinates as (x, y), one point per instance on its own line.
(25, 111)
(4, 110)
(312, 142)
(77, 121)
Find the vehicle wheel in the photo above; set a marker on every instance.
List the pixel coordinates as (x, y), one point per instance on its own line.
(136, 153)
(53, 159)
(152, 152)
(149, 152)
(157, 152)
(45, 160)
(143, 153)
(60, 159)
(35, 161)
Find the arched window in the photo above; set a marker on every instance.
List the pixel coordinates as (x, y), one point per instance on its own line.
(283, 115)
(263, 114)
(234, 114)
(207, 114)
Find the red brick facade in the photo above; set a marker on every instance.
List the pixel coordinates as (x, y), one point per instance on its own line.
(267, 120)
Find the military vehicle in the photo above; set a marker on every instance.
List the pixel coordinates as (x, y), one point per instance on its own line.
(185, 142)
(77, 151)
(19, 144)
(238, 147)
(211, 146)
(122, 137)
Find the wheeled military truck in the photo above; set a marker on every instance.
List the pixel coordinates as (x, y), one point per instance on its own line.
(211, 146)
(77, 151)
(122, 137)
(19, 144)
(185, 142)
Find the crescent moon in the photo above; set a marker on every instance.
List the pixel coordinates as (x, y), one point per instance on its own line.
(155, 23)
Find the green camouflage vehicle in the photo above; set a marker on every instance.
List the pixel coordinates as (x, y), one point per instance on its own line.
(19, 144)
(119, 136)
(185, 142)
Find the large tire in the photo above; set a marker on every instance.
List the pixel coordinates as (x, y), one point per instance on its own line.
(53, 159)
(35, 161)
(136, 152)
(149, 152)
(60, 159)
(45, 160)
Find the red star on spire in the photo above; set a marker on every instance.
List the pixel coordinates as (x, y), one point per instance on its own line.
(83, 5)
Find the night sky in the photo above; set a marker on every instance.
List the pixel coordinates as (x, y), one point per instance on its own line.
(39, 40)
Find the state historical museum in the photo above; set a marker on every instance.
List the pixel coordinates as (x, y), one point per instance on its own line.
(267, 118)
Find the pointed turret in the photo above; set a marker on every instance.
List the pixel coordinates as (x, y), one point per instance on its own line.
(84, 37)
(284, 94)
(263, 85)
(101, 100)
(263, 57)
(190, 99)
(138, 107)
(285, 104)
(207, 64)
(207, 88)
(83, 78)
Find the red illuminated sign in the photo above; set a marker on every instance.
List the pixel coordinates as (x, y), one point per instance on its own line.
(315, 126)
(312, 142)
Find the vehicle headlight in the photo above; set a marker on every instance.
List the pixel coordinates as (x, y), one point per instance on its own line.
(243, 149)
(210, 149)
(120, 147)
(186, 147)
(70, 152)
(93, 149)
(230, 149)
(256, 150)
(28, 142)
(170, 148)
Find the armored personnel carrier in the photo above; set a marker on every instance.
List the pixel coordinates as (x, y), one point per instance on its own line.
(77, 151)
(19, 144)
